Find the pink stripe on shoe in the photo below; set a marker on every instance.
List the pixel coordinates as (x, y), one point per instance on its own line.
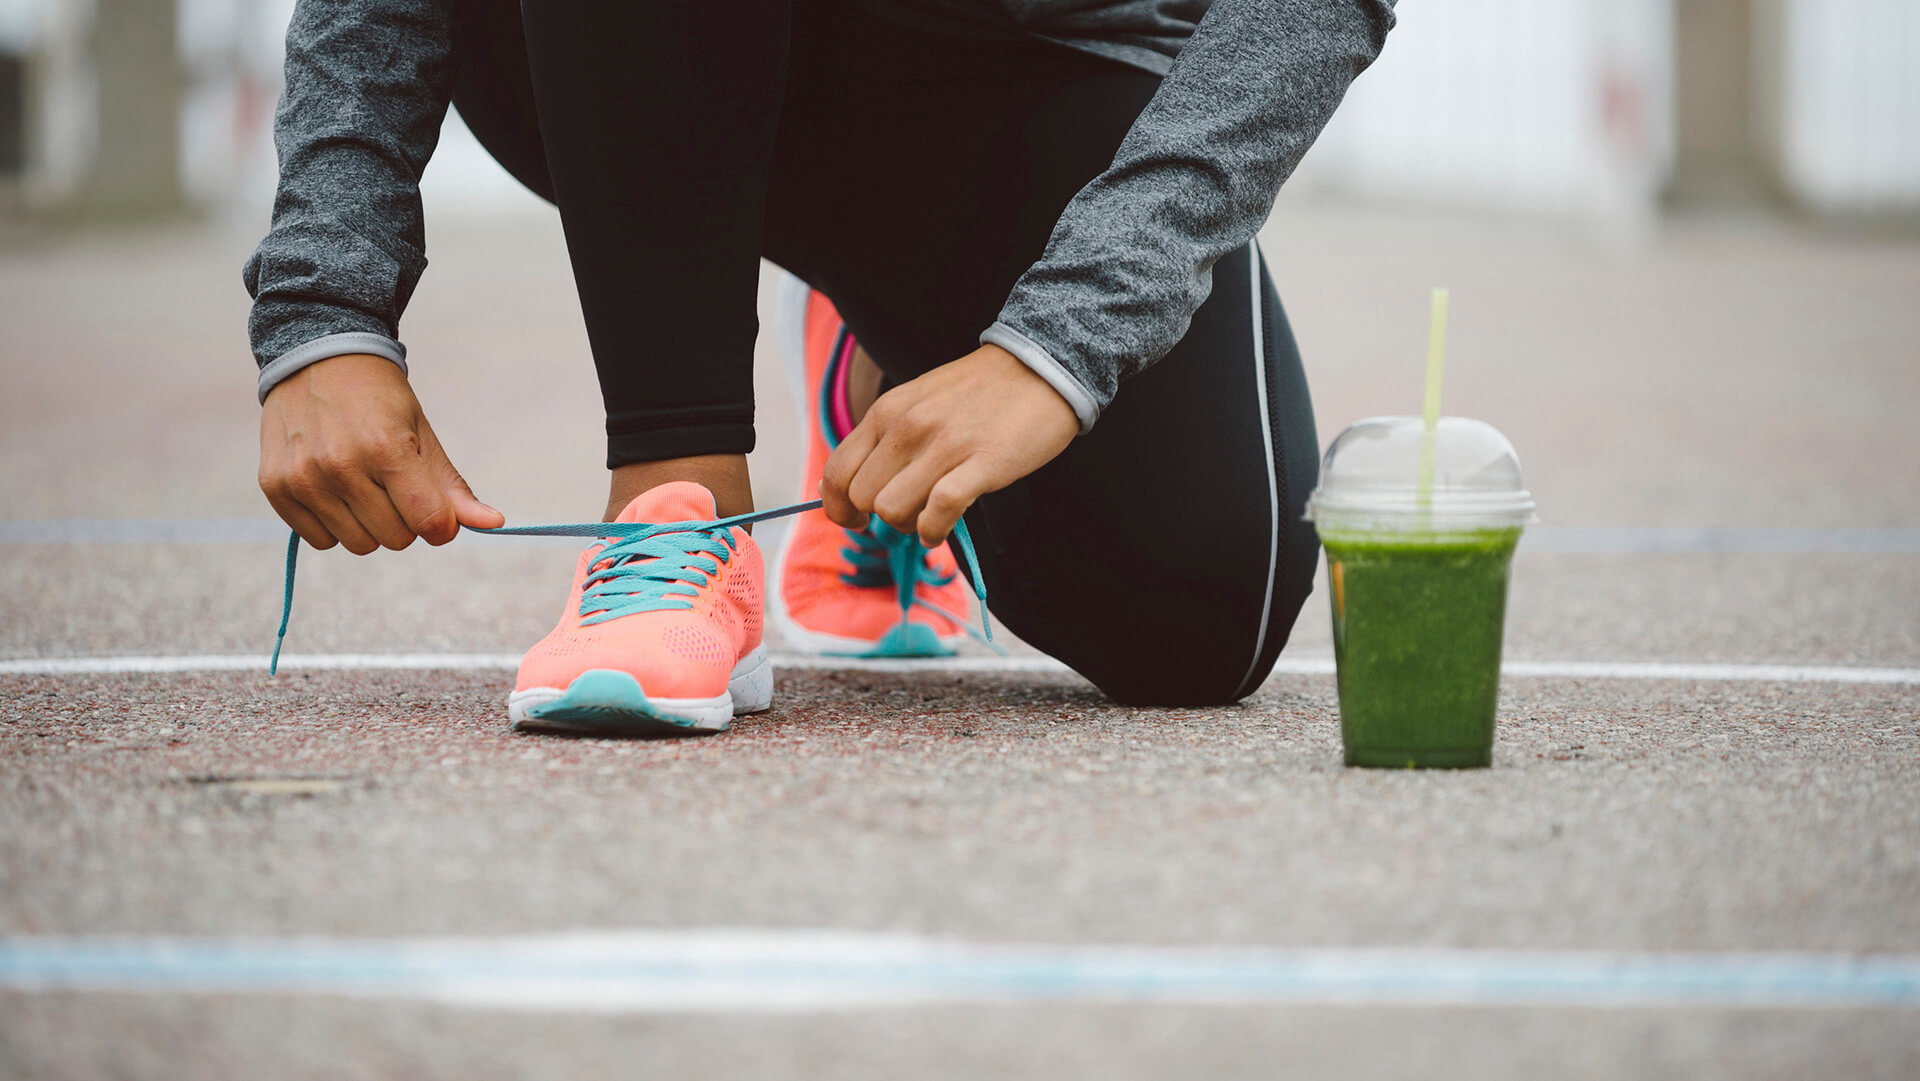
(842, 404)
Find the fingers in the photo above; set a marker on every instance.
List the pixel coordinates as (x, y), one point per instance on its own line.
(888, 464)
(385, 502)
(931, 446)
(892, 456)
(373, 506)
(842, 466)
(419, 503)
(913, 489)
(904, 495)
(469, 511)
(306, 498)
(298, 517)
(363, 514)
(418, 487)
(337, 500)
(347, 457)
(950, 497)
(338, 519)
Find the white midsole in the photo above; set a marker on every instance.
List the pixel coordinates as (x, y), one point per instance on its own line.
(802, 640)
(749, 690)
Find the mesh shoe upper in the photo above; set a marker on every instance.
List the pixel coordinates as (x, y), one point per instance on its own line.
(678, 612)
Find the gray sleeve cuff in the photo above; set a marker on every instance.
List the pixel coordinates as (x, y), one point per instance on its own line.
(1085, 406)
(333, 345)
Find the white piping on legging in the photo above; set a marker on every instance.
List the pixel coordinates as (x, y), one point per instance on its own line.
(1273, 478)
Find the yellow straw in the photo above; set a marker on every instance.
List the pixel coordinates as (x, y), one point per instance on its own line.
(1436, 361)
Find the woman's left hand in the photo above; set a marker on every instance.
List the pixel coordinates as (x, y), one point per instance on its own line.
(930, 447)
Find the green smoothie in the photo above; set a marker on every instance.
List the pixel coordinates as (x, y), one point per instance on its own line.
(1417, 620)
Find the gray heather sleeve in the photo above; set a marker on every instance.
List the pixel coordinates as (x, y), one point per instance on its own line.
(368, 83)
(1132, 256)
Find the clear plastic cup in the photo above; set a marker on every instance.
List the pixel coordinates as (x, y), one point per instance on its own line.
(1419, 586)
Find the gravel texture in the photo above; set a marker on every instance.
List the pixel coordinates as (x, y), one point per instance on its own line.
(1728, 374)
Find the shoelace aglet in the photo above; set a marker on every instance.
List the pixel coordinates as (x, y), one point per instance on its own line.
(286, 603)
(973, 574)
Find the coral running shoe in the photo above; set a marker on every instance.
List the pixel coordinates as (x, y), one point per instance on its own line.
(873, 592)
(661, 634)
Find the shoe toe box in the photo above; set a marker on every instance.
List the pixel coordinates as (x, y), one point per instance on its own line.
(669, 658)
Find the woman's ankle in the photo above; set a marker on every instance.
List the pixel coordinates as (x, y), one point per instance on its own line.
(725, 475)
(863, 383)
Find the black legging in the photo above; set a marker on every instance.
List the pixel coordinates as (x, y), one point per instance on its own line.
(911, 175)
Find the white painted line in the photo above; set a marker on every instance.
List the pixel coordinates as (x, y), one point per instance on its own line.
(249, 662)
(1289, 666)
(1737, 673)
(747, 970)
(1032, 662)
(1570, 540)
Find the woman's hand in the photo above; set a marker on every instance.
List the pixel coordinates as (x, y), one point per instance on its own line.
(930, 447)
(346, 456)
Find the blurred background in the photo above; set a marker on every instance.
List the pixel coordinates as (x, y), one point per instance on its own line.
(1683, 243)
(1699, 218)
(1615, 112)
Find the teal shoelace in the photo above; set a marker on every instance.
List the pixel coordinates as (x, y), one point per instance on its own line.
(881, 555)
(652, 566)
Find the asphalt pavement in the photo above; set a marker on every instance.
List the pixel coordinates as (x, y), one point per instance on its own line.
(1744, 377)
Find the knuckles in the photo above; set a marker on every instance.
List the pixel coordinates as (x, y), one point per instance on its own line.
(306, 486)
(439, 528)
(896, 513)
(947, 499)
(327, 467)
(916, 424)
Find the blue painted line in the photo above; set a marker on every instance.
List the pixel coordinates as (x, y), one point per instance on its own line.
(142, 531)
(787, 970)
(1564, 540)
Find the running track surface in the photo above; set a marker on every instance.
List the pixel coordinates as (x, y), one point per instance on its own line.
(1695, 856)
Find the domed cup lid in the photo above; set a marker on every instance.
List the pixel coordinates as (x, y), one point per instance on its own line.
(1370, 478)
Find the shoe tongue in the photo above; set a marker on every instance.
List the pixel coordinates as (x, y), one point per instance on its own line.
(679, 501)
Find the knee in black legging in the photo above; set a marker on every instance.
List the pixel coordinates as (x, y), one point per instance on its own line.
(1152, 659)
(1165, 681)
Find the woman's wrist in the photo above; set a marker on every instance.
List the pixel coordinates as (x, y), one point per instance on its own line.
(349, 343)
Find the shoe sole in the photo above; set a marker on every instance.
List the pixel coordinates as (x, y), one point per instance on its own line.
(787, 323)
(605, 702)
(903, 640)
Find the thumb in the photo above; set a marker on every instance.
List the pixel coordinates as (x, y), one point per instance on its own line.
(468, 510)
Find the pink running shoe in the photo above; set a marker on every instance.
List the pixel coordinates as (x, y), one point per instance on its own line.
(873, 592)
(661, 633)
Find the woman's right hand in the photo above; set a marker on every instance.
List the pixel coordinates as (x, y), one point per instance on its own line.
(347, 457)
